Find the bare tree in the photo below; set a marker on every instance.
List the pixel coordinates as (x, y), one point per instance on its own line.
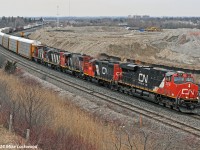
(35, 107)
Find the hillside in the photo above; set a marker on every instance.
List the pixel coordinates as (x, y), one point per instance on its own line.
(177, 47)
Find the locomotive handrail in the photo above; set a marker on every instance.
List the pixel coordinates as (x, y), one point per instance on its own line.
(178, 97)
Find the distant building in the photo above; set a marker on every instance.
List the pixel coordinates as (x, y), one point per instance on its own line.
(123, 24)
(145, 17)
(138, 16)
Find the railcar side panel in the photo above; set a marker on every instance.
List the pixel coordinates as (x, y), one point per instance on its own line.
(5, 41)
(76, 62)
(24, 49)
(1, 37)
(104, 70)
(89, 66)
(143, 77)
(108, 70)
(53, 56)
(13, 43)
(64, 59)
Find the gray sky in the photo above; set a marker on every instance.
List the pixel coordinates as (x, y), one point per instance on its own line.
(100, 7)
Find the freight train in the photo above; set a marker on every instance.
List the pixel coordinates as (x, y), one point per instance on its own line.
(174, 89)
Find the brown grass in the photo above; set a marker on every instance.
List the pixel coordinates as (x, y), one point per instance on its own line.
(57, 123)
(58, 117)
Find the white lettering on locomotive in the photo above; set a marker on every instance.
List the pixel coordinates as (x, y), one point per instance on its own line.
(187, 92)
(143, 78)
(104, 70)
(97, 70)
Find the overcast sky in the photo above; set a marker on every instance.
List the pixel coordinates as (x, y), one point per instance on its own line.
(100, 7)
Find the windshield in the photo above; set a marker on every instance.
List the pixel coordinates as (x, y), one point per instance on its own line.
(189, 80)
(178, 80)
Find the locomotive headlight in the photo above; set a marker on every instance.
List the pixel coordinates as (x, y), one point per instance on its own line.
(172, 94)
(186, 97)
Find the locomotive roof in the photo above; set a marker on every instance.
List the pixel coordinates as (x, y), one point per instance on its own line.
(76, 53)
(2, 33)
(129, 66)
(108, 61)
(29, 41)
(14, 37)
(2, 29)
(6, 35)
(67, 53)
(170, 73)
(93, 60)
(162, 69)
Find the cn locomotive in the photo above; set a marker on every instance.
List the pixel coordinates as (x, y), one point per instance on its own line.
(174, 89)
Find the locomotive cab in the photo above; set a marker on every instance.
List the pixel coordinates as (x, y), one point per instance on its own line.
(180, 86)
(186, 87)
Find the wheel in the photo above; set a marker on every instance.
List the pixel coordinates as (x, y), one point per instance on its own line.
(158, 98)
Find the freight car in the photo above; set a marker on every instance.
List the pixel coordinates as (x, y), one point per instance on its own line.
(13, 43)
(27, 47)
(174, 89)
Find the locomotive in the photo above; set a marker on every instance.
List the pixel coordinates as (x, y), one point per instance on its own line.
(174, 89)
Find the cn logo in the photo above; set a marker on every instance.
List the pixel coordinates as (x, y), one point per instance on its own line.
(143, 78)
(187, 91)
(104, 70)
(97, 70)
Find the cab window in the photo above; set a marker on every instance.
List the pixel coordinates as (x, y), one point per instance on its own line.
(189, 80)
(178, 80)
(168, 78)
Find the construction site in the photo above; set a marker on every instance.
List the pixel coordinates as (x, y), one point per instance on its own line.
(173, 47)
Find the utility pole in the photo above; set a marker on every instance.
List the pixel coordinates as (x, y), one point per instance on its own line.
(57, 16)
(69, 8)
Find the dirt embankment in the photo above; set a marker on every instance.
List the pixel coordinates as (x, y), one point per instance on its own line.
(178, 47)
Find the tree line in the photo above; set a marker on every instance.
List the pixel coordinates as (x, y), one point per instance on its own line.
(17, 21)
(138, 21)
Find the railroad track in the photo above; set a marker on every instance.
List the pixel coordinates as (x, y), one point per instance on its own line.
(195, 117)
(166, 120)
